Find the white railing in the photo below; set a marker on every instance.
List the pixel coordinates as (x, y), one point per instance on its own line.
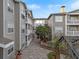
(73, 22)
(72, 33)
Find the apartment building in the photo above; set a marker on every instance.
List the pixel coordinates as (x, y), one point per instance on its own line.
(65, 23)
(40, 21)
(20, 18)
(6, 29)
(29, 26)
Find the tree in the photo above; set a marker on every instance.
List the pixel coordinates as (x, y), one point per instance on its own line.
(57, 45)
(43, 32)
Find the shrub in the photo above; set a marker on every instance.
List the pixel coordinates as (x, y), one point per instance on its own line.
(51, 55)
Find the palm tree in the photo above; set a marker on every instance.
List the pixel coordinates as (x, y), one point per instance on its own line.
(57, 45)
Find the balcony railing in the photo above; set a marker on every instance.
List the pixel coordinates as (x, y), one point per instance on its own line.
(72, 33)
(73, 22)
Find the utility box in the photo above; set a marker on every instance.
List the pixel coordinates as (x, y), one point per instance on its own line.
(6, 48)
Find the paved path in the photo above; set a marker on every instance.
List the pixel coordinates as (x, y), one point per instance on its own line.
(34, 51)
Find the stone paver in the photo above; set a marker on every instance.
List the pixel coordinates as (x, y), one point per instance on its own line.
(34, 51)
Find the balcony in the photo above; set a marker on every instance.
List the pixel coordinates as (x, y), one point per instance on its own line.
(73, 22)
(72, 33)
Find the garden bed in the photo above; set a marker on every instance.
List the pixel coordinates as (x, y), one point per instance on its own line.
(46, 46)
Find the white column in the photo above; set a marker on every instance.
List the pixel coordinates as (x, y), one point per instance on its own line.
(66, 25)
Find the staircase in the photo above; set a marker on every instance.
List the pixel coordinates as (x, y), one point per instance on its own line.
(72, 48)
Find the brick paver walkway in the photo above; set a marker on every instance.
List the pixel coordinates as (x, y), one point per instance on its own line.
(34, 51)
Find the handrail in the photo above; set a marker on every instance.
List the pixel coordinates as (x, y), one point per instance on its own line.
(74, 52)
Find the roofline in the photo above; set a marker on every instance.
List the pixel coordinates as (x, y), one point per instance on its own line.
(73, 11)
(56, 14)
(31, 13)
(40, 18)
(23, 4)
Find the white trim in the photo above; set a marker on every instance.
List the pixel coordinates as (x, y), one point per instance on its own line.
(7, 45)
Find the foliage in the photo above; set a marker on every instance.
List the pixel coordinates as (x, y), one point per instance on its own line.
(57, 43)
(43, 32)
(51, 55)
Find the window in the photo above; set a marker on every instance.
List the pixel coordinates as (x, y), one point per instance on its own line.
(58, 29)
(10, 8)
(10, 28)
(58, 18)
(10, 50)
(23, 30)
(22, 15)
(26, 38)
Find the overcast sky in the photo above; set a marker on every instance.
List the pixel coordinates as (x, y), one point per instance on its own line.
(43, 8)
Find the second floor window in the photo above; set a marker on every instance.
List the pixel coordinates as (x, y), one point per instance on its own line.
(58, 18)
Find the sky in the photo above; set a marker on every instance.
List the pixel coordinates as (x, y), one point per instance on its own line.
(43, 8)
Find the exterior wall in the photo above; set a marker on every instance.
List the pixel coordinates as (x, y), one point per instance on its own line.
(8, 18)
(59, 24)
(50, 24)
(1, 53)
(11, 55)
(6, 21)
(17, 26)
(22, 25)
(29, 27)
(1, 17)
(53, 24)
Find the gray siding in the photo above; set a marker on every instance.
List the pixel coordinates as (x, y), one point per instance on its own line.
(17, 26)
(8, 18)
(22, 25)
(1, 17)
(59, 24)
(52, 23)
(11, 55)
(1, 53)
